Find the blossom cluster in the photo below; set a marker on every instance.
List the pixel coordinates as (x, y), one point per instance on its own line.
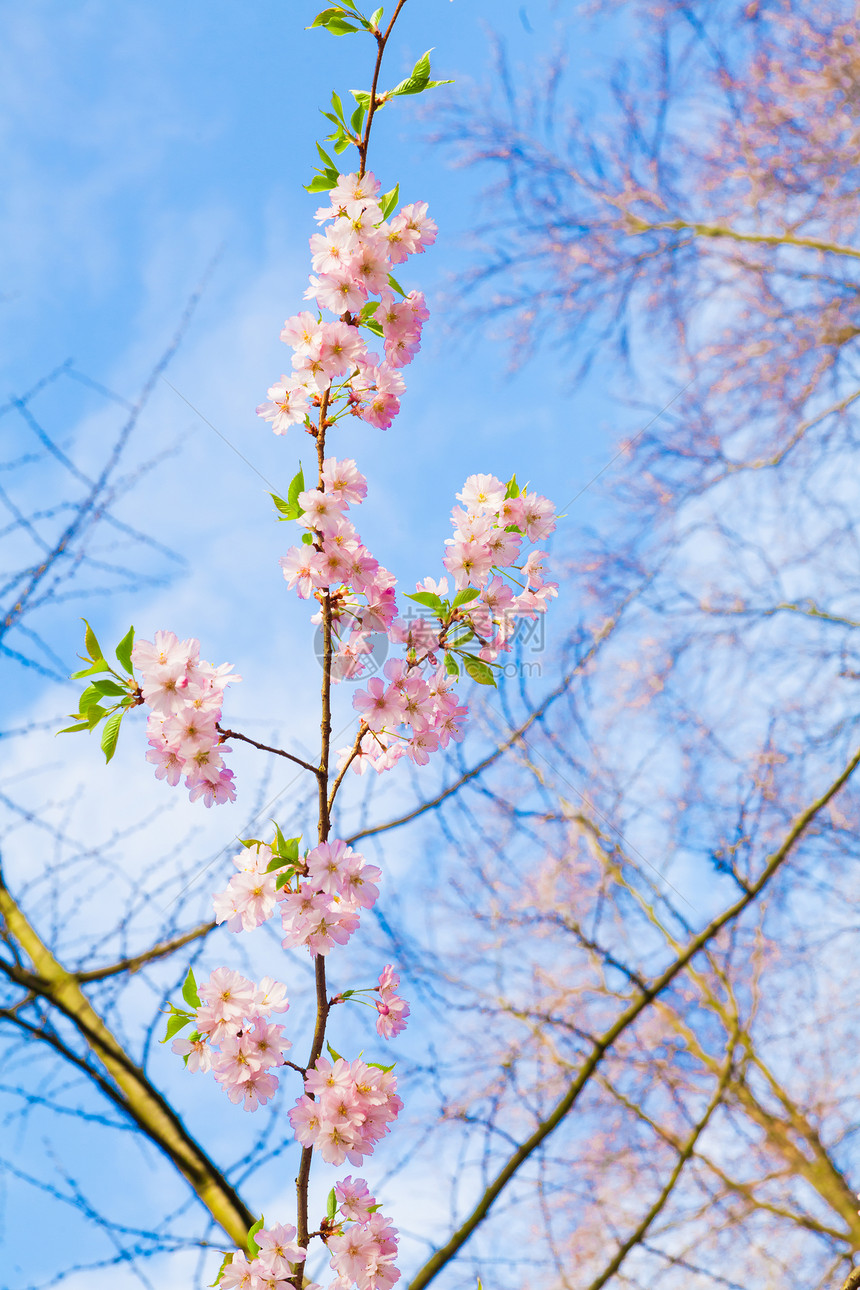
(352, 259)
(277, 1254)
(185, 695)
(333, 560)
(416, 712)
(412, 716)
(345, 1110)
(489, 530)
(362, 1245)
(320, 897)
(392, 1010)
(325, 907)
(234, 1038)
(362, 1253)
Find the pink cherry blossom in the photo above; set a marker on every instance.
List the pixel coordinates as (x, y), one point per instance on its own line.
(392, 1010)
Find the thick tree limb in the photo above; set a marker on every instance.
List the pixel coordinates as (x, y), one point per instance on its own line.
(137, 1096)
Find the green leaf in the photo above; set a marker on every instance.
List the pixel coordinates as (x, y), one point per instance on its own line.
(388, 201)
(100, 665)
(110, 734)
(113, 688)
(282, 506)
(284, 876)
(297, 485)
(94, 650)
(89, 699)
(333, 20)
(336, 1057)
(356, 121)
(253, 1247)
(189, 991)
(380, 1067)
(420, 74)
(225, 1263)
(361, 97)
(427, 598)
(331, 1206)
(279, 866)
(465, 596)
(326, 158)
(323, 17)
(175, 1022)
(337, 105)
(285, 850)
(320, 184)
(70, 730)
(376, 17)
(478, 670)
(373, 326)
(94, 715)
(290, 509)
(392, 282)
(419, 80)
(452, 667)
(307, 538)
(123, 649)
(342, 144)
(513, 487)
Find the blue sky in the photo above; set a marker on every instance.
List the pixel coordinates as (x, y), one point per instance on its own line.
(138, 142)
(140, 145)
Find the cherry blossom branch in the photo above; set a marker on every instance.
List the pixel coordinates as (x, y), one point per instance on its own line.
(381, 41)
(606, 1042)
(325, 802)
(303, 1176)
(307, 1152)
(356, 749)
(279, 752)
